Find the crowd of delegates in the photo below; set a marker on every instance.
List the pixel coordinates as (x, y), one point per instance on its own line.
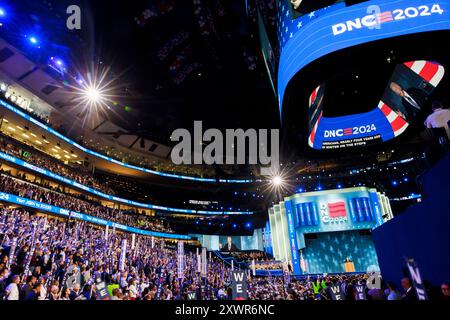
(70, 202)
(38, 114)
(61, 260)
(44, 258)
(80, 174)
(16, 149)
(269, 265)
(319, 288)
(248, 256)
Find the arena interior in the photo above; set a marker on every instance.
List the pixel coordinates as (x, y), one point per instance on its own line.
(101, 200)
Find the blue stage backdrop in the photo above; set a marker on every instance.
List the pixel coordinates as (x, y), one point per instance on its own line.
(327, 252)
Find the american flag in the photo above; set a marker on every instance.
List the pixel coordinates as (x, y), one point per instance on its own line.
(337, 209)
(385, 17)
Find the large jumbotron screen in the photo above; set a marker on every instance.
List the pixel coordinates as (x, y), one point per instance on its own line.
(306, 37)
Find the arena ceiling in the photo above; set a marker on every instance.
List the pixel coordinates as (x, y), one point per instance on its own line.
(176, 61)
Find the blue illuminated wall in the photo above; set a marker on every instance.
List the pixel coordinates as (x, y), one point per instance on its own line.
(267, 239)
(328, 251)
(421, 232)
(324, 31)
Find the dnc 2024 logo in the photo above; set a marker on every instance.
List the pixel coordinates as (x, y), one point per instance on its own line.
(377, 18)
(370, 128)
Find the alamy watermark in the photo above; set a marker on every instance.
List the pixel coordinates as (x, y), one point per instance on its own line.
(73, 22)
(237, 146)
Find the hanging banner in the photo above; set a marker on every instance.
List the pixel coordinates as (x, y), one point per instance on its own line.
(106, 232)
(416, 279)
(239, 285)
(123, 254)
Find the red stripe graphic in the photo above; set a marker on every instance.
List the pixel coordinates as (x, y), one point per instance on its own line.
(429, 70)
(337, 209)
(409, 64)
(313, 135)
(386, 110)
(385, 17)
(313, 132)
(312, 98)
(398, 123)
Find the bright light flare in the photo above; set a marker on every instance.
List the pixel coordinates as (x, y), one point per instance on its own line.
(94, 95)
(97, 89)
(278, 184)
(277, 181)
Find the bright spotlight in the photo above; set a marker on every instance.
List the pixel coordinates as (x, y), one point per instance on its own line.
(277, 181)
(93, 95)
(94, 91)
(2, 12)
(33, 40)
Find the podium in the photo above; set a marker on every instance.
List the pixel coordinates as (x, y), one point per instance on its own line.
(349, 266)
